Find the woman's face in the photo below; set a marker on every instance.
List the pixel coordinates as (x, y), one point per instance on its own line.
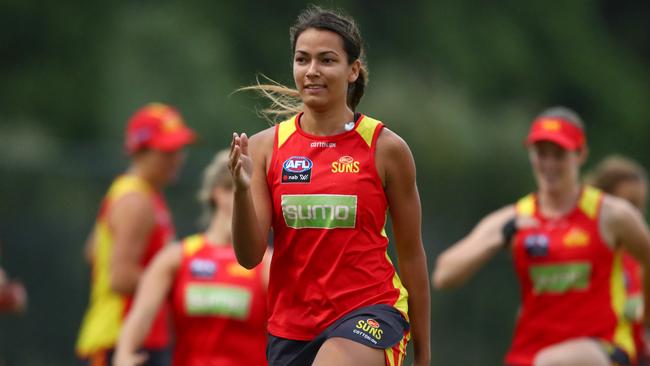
(165, 164)
(223, 197)
(321, 70)
(554, 167)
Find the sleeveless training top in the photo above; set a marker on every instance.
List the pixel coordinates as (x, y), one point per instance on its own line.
(571, 280)
(219, 308)
(103, 318)
(329, 212)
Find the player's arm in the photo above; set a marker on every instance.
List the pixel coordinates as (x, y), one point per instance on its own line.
(251, 220)
(131, 220)
(623, 224)
(459, 262)
(266, 262)
(396, 165)
(154, 287)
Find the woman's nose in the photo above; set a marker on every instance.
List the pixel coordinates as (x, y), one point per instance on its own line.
(313, 71)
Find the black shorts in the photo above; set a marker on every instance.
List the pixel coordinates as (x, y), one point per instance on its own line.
(615, 353)
(376, 326)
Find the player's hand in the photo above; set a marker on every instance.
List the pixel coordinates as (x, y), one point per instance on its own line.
(129, 358)
(240, 164)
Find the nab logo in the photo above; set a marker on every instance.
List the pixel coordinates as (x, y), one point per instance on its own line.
(297, 169)
(345, 164)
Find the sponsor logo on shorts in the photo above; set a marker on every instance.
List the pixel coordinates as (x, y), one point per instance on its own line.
(560, 278)
(536, 245)
(576, 237)
(297, 169)
(319, 211)
(202, 268)
(345, 164)
(211, 299)
(322, 144)
(369, 328)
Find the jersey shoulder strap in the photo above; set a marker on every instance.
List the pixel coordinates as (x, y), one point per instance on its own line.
(192, 244)
(526, 206)
(590, 200)
(368, 128)
(127, 184)
(284, 130)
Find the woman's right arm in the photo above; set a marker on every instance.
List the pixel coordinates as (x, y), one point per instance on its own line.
(251, 219)
(460, 261)
(152, 290)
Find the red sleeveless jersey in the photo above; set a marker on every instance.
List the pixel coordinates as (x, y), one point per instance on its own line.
(329, 212)
(105, 313)
(219, 308)
(571, 281)
(162, 233)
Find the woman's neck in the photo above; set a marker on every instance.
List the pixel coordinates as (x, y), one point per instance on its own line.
(326, 122)
(556, 204)
(219, 230)
(140, 172)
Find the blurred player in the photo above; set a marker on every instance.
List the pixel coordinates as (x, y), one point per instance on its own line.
(218, 306)
(325, 180)
(566, 240)
(133, 224)
(627, 179)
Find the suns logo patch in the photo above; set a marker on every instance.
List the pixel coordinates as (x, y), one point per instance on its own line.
(346, 164)
(576, 237)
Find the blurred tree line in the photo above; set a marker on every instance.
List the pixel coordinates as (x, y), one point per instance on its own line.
(458, 80)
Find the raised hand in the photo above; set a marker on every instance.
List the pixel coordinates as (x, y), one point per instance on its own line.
(240, 164)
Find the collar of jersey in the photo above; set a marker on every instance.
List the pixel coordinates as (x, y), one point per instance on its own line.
(335, 137)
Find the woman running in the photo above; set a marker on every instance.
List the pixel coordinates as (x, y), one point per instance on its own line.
(325, 180)
(133, 224)
(625, 178)
(566, 240)
(218, 307)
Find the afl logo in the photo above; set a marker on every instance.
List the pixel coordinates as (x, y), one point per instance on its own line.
(297, 169)
(536, 245)
(202, 268)
(297, 164)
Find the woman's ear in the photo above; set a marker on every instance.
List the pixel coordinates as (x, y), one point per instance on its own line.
(355, 68)
(583, 154)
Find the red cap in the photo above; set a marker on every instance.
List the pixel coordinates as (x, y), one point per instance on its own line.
(157, 126)
(556, 130)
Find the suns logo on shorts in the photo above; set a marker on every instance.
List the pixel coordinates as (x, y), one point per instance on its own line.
(370, 326)
(345, 164)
